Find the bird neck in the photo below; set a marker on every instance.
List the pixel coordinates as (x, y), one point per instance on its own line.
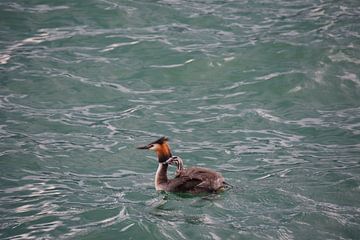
(180, 164)
(163, 153)
(161, 176)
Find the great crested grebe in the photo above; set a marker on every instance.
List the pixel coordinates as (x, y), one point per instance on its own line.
(193, 179)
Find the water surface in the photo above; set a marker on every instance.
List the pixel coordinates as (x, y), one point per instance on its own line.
(265, 92)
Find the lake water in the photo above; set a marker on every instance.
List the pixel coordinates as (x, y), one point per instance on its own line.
(265, 92)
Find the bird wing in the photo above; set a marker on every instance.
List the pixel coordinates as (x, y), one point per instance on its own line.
(184, 183)
(196, 179)
(202, 174)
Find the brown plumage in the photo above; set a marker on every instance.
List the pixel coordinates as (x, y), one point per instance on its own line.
(211, 181)
(193, 179)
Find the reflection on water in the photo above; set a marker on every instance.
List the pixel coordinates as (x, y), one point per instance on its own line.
(264, 92)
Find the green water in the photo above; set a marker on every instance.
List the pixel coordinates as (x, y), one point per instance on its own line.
(265, 92)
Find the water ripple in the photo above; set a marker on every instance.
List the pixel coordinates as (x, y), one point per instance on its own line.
(264, 92)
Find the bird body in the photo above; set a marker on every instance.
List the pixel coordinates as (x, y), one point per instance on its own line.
(192, 180)
(211, 181)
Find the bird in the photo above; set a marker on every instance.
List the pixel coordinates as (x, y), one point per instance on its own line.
(179, 163)
(190, 180)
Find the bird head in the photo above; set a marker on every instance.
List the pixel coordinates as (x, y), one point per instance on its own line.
(175, 160)
(161, 147)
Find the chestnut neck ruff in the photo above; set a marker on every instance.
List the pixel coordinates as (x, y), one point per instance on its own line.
(163, 153)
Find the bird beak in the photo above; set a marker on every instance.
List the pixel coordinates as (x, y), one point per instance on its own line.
(144, 147)
(170, 161)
